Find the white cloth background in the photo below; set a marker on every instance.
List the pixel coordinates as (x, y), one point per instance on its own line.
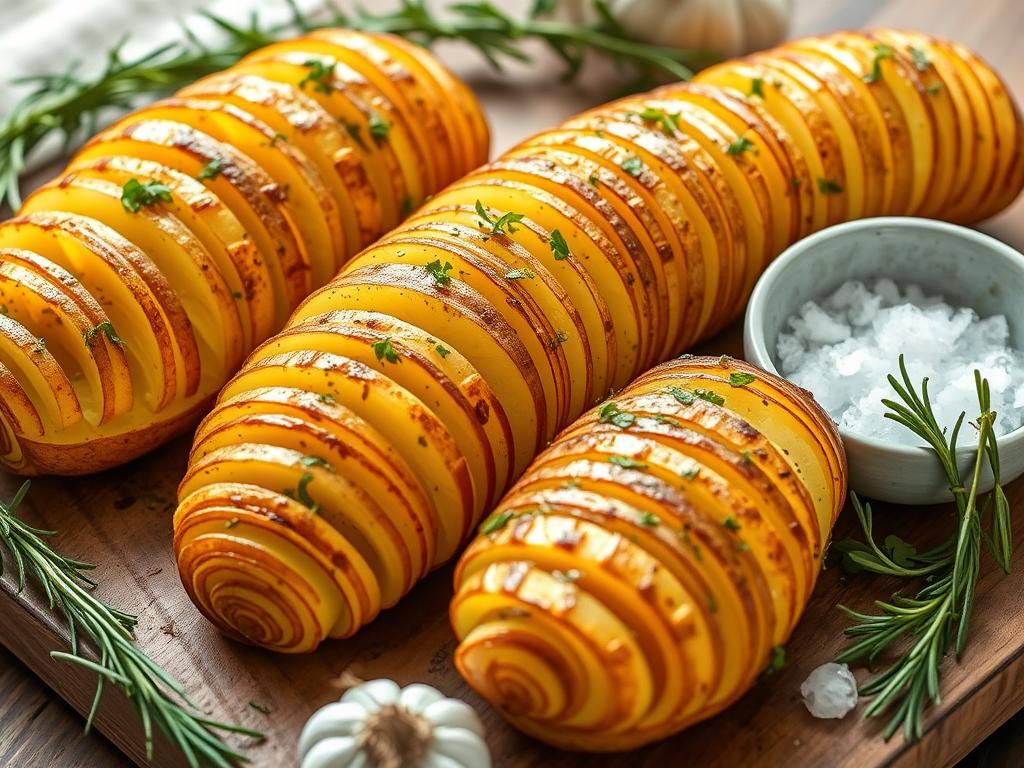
(47, 36)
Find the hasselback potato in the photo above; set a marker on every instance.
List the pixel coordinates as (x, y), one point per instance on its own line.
(356, 449)
(133, 285)
(640, 574)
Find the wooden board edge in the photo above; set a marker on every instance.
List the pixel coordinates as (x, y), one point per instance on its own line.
(31, 638)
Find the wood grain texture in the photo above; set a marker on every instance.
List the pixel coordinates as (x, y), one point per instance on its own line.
(122, 521)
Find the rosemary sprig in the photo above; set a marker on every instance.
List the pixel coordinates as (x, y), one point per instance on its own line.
(158, 698)
(939, 615)
(74, 107)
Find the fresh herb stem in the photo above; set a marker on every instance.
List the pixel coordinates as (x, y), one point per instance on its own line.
(73, 106)
(940, 613)
(158, 698)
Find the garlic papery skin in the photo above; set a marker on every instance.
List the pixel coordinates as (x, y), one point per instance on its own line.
(381, 725)
(727, 28)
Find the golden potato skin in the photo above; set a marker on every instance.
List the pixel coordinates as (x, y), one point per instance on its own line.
(363, 444)
(637, 577)
(119, 326)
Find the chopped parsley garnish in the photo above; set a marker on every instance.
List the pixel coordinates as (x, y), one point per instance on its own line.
(691, 473)
(829, 187)
(610, 413)
(686, 396)
(741, 145)
(327, 398)
(523, 273)
(882, 52)
(440, 273)
(107, 329)
(260, 707)
(731, 524)
(667, 122)
(934, 88)
(301, 493)
(775, 662)
(560, 338)
(741, 379)
(633, 165)
(408, 206)
(135, 194)
(315, 461)
(355, 133)
(384, 350)
(442, 351)
(593, 180)
(379, 128)
(559, 248)
(495, 523)
(712, 603)
(747, 456)
(757, 87)
(648, 519)
(627, 463)
(320, 75)
(211, 170)
(501, 225)
(920, 59)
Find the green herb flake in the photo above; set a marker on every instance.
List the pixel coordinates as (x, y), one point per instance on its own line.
(440, 272)
(633, 165)
(882, 52)
(741, 379)
(712, 603)
(301, 493)
(593, 180)
(327, 398)
(684, 396)
(495, 523)
(442, 351)
(731, 524)
(501, 225)
(355, 133)
(559, 248)
(667, 122)
(107, 329)
(757, 87)
(408, 206)
(627, 463)
(648, 519)
(691, 473)
(829, 186)
(379, 128)
(320, 74)
(523, 273)
(384, 350)
(934, 88)
(262, 708)
(315, 461)
(710, 396)
(746, 456)
(135, 194)
(741, 145)
(776, 661)
(610, 413)
(920, 59)
(211, 170)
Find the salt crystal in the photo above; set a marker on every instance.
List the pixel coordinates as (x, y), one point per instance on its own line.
(843, 348)
(830, 691)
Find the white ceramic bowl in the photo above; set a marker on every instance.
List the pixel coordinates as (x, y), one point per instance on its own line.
(966, 267)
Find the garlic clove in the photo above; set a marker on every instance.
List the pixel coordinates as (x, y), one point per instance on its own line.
(374, 694)
(337, 750)
(455, 714)
(417, 697)
(462, 746)
(337, 720)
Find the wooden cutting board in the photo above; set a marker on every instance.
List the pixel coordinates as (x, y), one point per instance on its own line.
(121, 520)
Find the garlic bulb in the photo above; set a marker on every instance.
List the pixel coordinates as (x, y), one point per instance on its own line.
(725, 27)
(379, 725)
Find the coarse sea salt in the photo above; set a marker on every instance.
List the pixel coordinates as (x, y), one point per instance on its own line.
(843, 348)
(830, 691)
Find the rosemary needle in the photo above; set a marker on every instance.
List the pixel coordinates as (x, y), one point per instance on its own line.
(158, 698)
(938, 616)
(73, 107)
